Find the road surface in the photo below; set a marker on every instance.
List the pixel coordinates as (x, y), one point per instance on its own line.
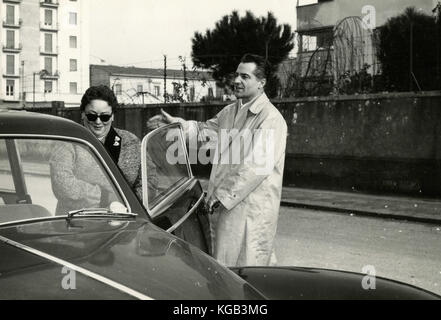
(399, 250)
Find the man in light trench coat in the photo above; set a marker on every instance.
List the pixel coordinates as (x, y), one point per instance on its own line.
(245, 184)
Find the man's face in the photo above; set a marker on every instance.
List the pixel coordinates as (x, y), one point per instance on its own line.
(246, 85)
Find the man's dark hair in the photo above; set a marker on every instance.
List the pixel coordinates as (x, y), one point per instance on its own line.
(99, 93)
(262, 65)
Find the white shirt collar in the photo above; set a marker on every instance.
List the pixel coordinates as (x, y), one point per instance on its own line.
(248, 104)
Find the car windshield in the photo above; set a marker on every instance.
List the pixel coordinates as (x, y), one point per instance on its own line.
(44, 178)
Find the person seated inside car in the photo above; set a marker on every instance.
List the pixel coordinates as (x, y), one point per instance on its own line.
(77, 181)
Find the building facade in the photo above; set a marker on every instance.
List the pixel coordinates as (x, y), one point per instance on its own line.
(338, 38)
(316, 21)
(45, 51)
(146, 85)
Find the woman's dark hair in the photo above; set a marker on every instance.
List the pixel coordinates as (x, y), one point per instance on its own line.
(99, 93)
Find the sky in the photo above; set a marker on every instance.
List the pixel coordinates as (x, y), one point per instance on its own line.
(139, 32)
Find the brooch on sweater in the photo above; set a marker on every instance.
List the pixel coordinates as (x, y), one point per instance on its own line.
(116, 142)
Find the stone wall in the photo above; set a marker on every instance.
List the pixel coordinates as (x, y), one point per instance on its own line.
(385, 143)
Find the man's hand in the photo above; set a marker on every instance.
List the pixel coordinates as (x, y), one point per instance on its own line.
(155, 122)
(170, 119)
(162, 119)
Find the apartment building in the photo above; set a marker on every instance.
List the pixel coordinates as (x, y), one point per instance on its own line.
(45, 51)
(146, 85)
(316, 21)
(337, 37)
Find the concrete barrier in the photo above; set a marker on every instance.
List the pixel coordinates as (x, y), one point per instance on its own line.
(385, 143)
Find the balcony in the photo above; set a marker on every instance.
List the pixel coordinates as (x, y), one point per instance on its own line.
(50, 76)
(12, 1)
(319, 15)
(49, 3)
(11, 99)
(12, 49)
(12, 24)
(52, 52)
(11, 76)
(49, 27)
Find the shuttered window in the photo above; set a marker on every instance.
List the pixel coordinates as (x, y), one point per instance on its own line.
(48, 64)
(48, 42)
(48, 17)
(10, 14)
(10, 39)
(10, 64)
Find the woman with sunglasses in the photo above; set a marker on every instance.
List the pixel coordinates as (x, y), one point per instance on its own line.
(74, 182)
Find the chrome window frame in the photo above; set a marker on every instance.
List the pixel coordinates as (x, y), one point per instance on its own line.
(176, 191)
(70, 139)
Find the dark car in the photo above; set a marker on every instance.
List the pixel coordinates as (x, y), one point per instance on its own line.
(154, 248)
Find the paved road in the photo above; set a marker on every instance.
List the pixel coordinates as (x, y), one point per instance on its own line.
(403, 251)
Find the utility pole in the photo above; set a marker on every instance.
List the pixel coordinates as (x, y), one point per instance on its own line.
(165, 78)
(33, 90)
(22, 94)
(184, 67)
(411, 58)
(437, 12)
(40, 73)
(185, 77)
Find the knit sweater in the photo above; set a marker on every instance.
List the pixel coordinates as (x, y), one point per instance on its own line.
(79, 182)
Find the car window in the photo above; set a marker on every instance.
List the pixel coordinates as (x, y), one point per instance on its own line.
(43, 177)
(166, 164)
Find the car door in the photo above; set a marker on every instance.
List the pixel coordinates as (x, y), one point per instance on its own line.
(171, 194)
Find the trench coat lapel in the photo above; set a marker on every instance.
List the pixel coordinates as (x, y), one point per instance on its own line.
(248, 120)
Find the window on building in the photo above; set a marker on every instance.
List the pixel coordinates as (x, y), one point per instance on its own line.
(73, 18)
(48, 17)
(210, 92)
(118, 89)
(48, 42)
(73, 42)
(10, 14)
(157, 91)
(10, 64)
(324, 38)
(73, 65)
(48, 64)
(10, 88)
(139, 88)
(10, 39)
(309, 43)
(48, 86)
(73, 87)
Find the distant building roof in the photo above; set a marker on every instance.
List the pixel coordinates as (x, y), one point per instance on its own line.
(151, 73)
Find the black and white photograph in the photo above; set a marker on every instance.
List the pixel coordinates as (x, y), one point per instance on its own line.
(241, 152)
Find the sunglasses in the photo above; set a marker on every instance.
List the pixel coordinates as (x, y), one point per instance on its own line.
(103, 117)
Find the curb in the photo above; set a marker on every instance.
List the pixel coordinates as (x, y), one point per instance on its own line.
(362, 213)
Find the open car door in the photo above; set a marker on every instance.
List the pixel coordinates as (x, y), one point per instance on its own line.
(172, 196)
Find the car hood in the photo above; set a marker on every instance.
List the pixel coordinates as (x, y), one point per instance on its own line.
(318, 284)
(107, 258)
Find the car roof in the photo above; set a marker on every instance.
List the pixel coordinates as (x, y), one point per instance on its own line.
(25, 122)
